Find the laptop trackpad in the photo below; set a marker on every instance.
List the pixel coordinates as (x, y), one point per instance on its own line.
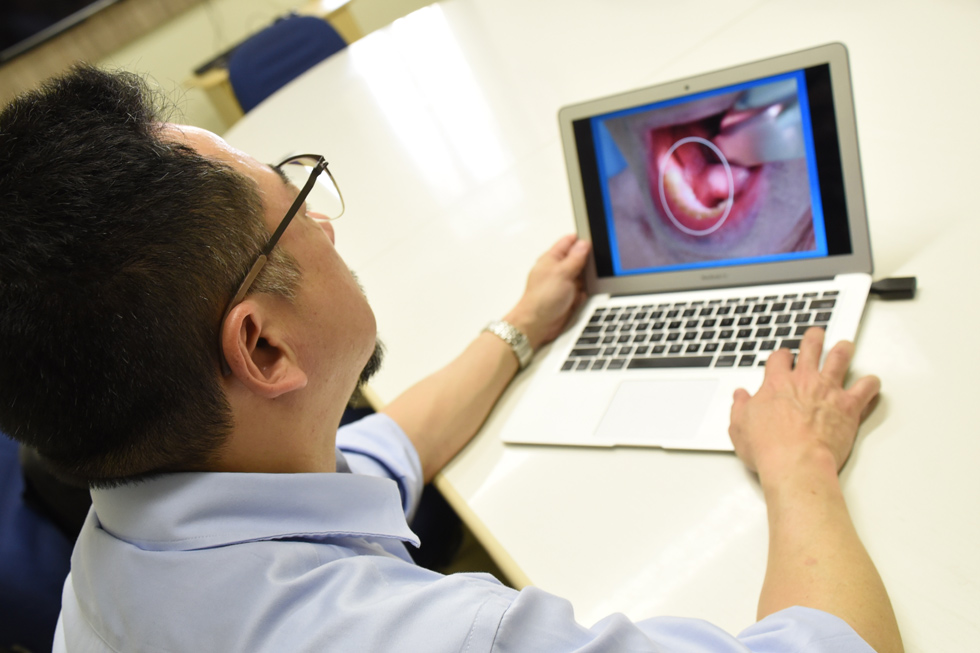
(651, 410)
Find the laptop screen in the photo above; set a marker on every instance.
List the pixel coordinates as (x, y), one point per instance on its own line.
(744, 174)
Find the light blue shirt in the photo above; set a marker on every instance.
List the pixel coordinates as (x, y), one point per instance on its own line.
(317, 562)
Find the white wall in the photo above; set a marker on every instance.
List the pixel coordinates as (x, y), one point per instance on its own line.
(170, 53)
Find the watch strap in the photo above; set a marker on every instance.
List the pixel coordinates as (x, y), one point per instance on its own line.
(515, 338)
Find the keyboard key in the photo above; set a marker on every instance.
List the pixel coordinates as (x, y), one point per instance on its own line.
(783, 331)
(778, 306)
(625, 351)
(642, 351)
(599, 364)
(659, 349)
(608, 351)
(760, 308)
(831, 293)
(676, 324)
(822, 317)
(640, 338)
(729, 346)
(587, 340)
(797, 306)
(691, 324)
(741, 308)
(791, 344)
(672, 314)
(671, 337)
(616, 364)
(567, 365)
(748, 345)
(724, 310)
(656, 337)
(725, 361)
(658, 326)
(643, 326)
(610, 328)
(583, 364)
(763, 333)
(744, 333)
(728, 321)
(689, 312)
(710, 347)
(626, 327)
(809, 294)
(705, 312)
(707, 335)
(707, 324)
(670, 361)
(690, 335)
(744, 321)
(692, 349)
(767, 345)
(784, 318)
(763, 319)
(747, 360)
(675, 349)
(607, 339)
(585, 351)
(803, 318)
(725, 334)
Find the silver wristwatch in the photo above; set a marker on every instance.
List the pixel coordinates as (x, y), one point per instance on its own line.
(515, 338)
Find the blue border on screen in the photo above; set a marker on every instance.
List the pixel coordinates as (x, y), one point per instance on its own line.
(601, 136)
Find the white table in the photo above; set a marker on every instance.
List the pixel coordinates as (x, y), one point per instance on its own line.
(441, 130)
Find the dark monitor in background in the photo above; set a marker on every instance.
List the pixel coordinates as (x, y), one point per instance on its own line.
(27, 23)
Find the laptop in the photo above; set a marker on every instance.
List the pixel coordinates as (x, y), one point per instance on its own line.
(726, 214)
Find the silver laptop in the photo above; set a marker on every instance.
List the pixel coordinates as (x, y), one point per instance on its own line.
(726, 213)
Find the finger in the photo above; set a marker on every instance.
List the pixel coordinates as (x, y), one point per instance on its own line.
(740, 396)
(779, 361)
(837, 361)
(576, 257)
(864, 391)
(560, 249)
(810, 349)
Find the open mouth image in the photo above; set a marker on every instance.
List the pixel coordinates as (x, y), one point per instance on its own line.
(697, 188)
(720, 177)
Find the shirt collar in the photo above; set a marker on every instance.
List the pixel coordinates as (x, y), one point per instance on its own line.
(187, 511)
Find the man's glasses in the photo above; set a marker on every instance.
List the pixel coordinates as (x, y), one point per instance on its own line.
(322, 196)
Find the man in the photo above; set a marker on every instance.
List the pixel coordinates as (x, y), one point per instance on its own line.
(205, 418)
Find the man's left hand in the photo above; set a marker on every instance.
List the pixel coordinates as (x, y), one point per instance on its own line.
(554, 291)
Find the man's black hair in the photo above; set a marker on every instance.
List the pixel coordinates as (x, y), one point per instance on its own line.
(119, 249)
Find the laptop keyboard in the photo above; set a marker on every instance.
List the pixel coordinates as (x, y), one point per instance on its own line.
(734, 332)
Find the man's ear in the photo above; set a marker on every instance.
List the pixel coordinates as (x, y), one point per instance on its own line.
(257, 352)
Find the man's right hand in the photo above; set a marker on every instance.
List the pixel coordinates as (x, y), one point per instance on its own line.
(801, 414)
(796, 432)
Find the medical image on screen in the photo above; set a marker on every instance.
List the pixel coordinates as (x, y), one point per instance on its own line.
(721, 178)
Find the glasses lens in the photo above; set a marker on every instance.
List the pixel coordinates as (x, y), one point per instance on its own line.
(324, 198)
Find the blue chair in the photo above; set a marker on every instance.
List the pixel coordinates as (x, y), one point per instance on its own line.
(35, 556)
(270, 59)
